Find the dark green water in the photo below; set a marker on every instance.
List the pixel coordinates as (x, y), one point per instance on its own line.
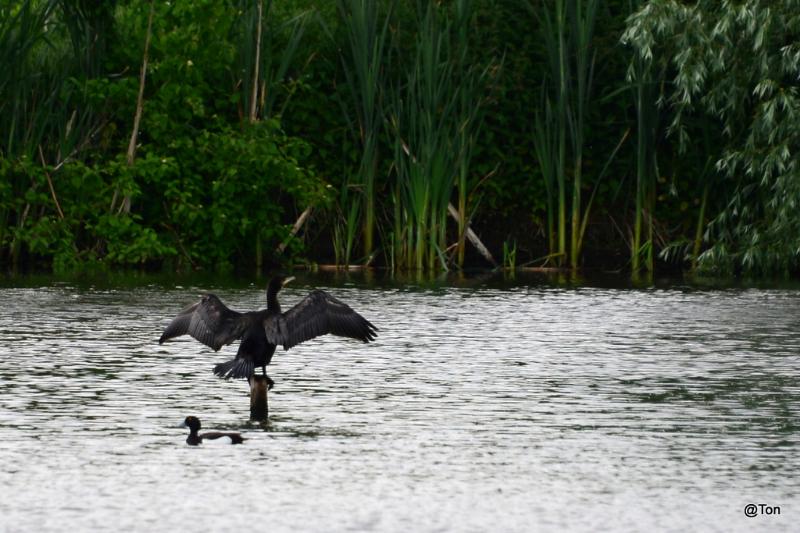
(484, 405)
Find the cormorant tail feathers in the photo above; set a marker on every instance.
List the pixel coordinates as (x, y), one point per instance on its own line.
(235, 368)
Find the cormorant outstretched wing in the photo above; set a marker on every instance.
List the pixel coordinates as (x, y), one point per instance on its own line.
(208, 321)
(317, 314)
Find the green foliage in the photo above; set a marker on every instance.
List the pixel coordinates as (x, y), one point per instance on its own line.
(382, 115)
(279, 39)
(128, 241)
(231, 189)
(345, 229)
(509, 255)
(205, 188)
(737, 62)
(435, 122)
(367, 31)
(568, 28)
(641, 76)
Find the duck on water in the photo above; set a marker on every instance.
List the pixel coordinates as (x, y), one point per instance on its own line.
(195, 438)
(215, 325)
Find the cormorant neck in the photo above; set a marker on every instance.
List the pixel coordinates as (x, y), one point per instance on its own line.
(272, 299)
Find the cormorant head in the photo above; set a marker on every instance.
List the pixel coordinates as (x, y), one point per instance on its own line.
(277, 283)
(191, 422)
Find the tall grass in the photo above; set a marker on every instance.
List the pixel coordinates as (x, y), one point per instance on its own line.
(435, 119)
(567, 31)
(345, 229)
(646, 118)
(707, 179)
(365, 63)
(640, 76)
(546, 144)
(24, 121)
(472, 80)
(267, 50)
(582, 22)
(49, 51)
(686, 249)
(554, 103)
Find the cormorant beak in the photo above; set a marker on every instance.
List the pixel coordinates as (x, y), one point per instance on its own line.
(286, 281)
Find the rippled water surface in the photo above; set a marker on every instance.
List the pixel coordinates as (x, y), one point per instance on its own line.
(479, 408)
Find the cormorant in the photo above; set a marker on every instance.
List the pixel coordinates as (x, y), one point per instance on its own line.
(213, 324)
(193, 423)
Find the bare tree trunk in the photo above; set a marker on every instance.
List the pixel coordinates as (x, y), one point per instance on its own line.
(254, 94)
(253, 117)
(137, 118)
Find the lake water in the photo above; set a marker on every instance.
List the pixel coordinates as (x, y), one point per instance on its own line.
(483, 406)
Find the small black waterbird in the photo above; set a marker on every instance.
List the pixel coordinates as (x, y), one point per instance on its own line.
(193, 423)
(212, 323)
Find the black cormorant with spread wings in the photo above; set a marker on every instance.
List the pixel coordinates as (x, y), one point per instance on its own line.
(213, 324)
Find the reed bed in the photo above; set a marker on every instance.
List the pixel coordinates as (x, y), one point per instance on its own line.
(435, 118)
(105, 106)
(567, 27)
(365, 69)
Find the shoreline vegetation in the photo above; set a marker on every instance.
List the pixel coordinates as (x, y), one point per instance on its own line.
(562, 135)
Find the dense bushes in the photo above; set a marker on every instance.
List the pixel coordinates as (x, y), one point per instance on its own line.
(560, 140)
(205, 189)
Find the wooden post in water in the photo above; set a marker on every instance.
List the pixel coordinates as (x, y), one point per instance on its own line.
(259, 408)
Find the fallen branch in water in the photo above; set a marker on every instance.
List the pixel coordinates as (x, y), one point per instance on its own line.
(472, 236)
(297, 225)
